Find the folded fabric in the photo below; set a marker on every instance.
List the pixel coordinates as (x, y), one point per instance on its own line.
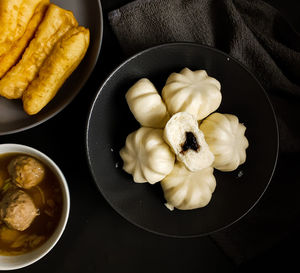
(258, 36)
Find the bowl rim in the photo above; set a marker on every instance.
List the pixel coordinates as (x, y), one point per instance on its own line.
(157, 47)
(49, 244)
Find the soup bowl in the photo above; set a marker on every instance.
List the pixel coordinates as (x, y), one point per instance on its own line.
(28, 258)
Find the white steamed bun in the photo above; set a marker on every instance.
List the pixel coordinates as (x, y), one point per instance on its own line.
(193, 92)
(187, 190)
(226, 139)
(146, 104)
(146, 155)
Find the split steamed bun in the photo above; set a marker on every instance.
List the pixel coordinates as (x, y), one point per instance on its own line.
(188, 142)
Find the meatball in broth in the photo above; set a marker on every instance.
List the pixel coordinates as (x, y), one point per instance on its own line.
(31, 203)
(26, 172)
(17, 209)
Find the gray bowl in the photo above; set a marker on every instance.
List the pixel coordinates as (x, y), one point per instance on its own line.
(110, 121)
(89, 14)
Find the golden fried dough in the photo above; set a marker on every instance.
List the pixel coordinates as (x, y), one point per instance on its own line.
(63, 60)
(14, 18)
(55, 24)
(8, 59)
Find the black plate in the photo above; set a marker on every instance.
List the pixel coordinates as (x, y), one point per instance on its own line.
(110, 121)
(88, 14)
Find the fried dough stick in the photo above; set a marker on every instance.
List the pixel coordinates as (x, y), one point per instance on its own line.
(63, 60)
(14, 18)
(8, 59)
(55, 24)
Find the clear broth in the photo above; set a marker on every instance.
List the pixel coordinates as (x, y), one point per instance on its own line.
(47, 196)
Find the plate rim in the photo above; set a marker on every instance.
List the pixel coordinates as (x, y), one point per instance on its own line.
(136, 55)
(24, 128)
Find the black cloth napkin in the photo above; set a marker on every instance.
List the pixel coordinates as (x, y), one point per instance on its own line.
(257, 35)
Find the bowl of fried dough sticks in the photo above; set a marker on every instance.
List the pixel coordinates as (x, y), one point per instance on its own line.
(41, 45)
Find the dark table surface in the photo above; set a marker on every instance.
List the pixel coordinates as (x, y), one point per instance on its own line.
(97, 239)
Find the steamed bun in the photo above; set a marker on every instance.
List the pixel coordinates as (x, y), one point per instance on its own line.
(187, 190)
(146, 156)
(193, 92)
(226, 139)
(146, 104)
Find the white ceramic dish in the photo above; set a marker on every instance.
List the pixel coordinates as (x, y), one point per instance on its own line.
(19, 261)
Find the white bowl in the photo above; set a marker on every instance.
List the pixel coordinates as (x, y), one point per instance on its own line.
(19, 261)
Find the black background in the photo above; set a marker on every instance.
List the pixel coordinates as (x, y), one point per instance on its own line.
(96, 238)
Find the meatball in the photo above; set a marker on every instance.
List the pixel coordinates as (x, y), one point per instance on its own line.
(26, 172)
(17, 210)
